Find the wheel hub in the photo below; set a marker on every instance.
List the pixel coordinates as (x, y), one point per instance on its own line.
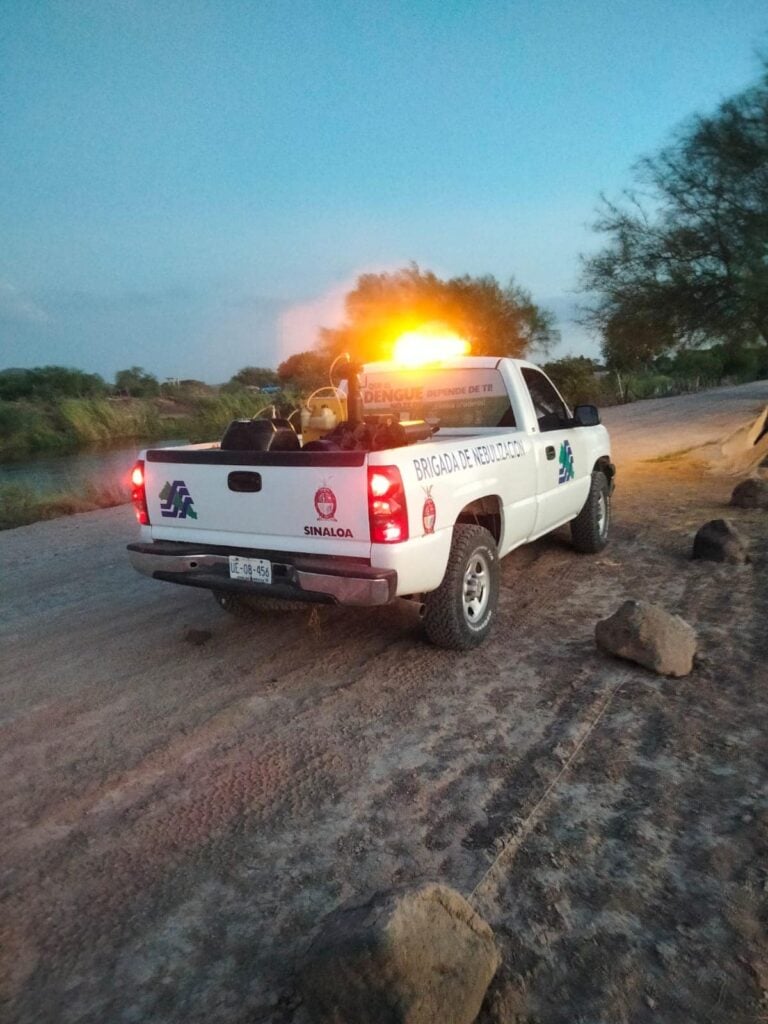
(476, 590)
(602, 515)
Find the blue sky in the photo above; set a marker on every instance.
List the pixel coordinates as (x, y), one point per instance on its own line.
(193, 186)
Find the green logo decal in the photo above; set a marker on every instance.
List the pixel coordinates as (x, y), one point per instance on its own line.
(566, 464)
(176, 501)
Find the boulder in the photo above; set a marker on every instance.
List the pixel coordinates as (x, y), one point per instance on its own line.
(645, 633)
(417, 957)
(720, 541)
(751, 493)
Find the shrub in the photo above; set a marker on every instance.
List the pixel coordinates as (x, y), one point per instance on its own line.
(211, 416)
(90, 421)
(27, 427)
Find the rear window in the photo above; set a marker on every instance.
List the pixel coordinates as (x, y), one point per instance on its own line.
(455, 397)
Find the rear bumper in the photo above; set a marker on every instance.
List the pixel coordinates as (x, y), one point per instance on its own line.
(295, 577)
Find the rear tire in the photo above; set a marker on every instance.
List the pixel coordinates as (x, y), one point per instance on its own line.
(460, 613)
(591, 527)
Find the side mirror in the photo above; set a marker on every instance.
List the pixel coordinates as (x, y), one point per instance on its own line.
(586, 416)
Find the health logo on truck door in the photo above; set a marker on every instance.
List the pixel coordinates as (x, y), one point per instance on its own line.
(176, 501)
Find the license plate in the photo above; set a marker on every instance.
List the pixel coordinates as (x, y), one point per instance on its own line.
(254, 570)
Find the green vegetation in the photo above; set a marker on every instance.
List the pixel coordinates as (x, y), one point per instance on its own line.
(74, 423)
(255, 377)
(48, 383)
(27, 427)
(20, 505)
(101, 420)
(685, 262)
(57, 409)
(137, 383)
(211, 415)
(582, 380)
(305, 371)
(579, 381)
(71, 423)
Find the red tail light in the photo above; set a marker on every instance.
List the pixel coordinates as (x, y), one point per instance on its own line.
(138, 494)
(387, 510)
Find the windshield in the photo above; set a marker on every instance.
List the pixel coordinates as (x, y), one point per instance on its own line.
(457, 397)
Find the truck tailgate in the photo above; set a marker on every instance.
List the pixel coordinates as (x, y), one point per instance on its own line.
(260, 499)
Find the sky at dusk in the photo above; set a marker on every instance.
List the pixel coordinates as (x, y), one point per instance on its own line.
(193, 186)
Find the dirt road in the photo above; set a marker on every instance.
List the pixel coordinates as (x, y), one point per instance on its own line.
(184, 795)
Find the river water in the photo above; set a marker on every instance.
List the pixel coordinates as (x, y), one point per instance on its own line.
(46, 473)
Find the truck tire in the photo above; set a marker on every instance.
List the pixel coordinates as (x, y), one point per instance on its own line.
(590, 528)
(460, 613)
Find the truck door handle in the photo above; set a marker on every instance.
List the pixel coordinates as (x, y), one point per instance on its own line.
(550, 452)
(245, 481)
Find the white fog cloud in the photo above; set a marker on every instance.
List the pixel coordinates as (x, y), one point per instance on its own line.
(298, 325)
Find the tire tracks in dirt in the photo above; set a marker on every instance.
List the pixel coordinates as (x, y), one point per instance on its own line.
(180, 809)
(139, 849)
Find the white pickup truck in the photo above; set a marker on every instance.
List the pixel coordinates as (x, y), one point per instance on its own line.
(435, 474)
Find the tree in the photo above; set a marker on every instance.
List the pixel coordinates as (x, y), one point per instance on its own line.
(686, 262)
(495, 319)
(305, 371)
(576, 378)
(255, 377)
(48, 383)
(137, 383)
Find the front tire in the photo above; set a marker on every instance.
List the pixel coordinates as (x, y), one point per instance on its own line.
(460, 613)
(590, 528)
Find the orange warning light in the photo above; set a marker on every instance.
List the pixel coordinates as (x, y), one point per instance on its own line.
(428, 345)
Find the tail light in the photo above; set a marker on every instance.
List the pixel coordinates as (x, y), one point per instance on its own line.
(138, 493)
(387, 510)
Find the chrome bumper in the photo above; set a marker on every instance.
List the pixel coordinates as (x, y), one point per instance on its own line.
(294, 576)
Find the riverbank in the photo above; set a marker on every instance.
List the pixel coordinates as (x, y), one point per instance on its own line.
(21, 505)
(71, 424)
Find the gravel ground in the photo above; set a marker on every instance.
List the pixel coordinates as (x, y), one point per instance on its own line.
(184, 795)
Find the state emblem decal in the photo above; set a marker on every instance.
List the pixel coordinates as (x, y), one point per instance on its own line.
(325, 503)
(428, 512)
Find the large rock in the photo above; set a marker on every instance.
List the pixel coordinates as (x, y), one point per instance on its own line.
(720, 541)
(419, 957)
(751, 493)
(645, 633)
